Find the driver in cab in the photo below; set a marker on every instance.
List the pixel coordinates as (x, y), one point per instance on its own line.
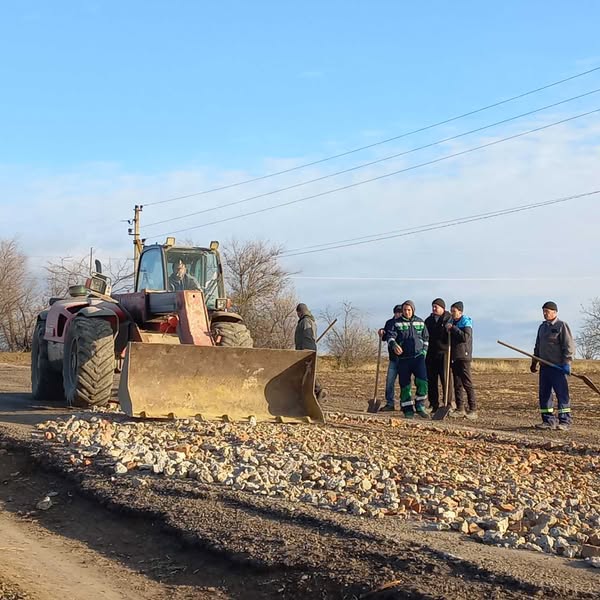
(180, 279)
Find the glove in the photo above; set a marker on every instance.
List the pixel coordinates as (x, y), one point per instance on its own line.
(397, 349)
(533, 367)
(566, 368)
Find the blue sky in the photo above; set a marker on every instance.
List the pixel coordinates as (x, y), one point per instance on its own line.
(107, 104)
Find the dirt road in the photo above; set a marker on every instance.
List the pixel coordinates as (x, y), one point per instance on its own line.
(173, 539)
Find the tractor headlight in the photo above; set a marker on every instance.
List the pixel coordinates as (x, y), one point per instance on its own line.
(221, 303)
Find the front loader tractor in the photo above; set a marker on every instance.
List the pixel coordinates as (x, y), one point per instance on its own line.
(179, 349)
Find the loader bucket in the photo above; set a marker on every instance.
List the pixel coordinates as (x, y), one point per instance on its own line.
(183, 381)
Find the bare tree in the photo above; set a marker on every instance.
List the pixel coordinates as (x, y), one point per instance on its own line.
(72, 271)
(350, 342)
(588, 338)
(261, 291)
(20, 300)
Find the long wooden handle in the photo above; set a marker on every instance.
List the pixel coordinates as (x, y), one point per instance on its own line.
(328, 328)
(544, 362)
(377, 372)
(447, 365)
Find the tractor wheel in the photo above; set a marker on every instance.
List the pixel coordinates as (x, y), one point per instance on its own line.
(232, 334)
(46, 383)
(89, 362)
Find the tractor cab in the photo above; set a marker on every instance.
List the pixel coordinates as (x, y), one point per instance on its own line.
(166, 267)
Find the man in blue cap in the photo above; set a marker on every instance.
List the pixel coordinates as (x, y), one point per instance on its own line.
(554, 343)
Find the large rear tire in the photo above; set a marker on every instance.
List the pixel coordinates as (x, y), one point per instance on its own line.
(46, 383)
(232, 334)
(89, 362)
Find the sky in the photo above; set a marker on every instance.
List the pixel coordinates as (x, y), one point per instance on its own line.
(105, 105)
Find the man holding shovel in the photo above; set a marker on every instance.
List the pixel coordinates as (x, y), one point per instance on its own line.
(385, 334)
(437, 352)
(554, 343)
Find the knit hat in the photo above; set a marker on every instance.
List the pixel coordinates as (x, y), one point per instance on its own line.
(397, 308)
(550, 305)
(411, 304)
(439, 302)
(458, 305)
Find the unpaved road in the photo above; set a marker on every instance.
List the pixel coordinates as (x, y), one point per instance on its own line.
(172, 540)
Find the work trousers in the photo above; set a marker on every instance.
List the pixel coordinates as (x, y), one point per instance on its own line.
(463, 382)
(552, 379)
(390, 382)
(407, 368)
(436, 371)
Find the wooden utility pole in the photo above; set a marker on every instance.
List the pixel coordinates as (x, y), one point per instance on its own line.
(135, 232)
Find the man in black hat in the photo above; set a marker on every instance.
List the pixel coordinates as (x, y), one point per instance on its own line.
(392, 373)
(436, 352)
(554, 343)
(461, 343)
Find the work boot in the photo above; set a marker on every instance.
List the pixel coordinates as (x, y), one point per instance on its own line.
(409, 415)
(563, 426)
(458, 414)
(322, 394)
(423, 414)
(388, 408)
(472, 415)
(545, 425)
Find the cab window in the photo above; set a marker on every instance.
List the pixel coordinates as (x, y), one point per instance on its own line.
(151, 274)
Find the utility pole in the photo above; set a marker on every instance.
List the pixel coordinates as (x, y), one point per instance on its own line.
(135, 232)
(91, 259)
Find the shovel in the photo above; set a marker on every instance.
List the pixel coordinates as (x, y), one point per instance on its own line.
(583, 378)
(443, 411)
(374, 404)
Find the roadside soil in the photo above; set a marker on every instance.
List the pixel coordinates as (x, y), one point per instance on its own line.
(104, 538)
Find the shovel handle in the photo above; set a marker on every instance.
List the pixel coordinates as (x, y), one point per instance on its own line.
(377, 371)
(325, 332)
(541, 360)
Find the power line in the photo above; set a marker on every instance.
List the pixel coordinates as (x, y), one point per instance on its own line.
(432, 226)
(550, 279)
(379, 177)
(373, 162)
(373, 145)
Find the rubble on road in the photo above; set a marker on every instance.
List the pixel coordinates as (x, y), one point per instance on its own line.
(513, 495)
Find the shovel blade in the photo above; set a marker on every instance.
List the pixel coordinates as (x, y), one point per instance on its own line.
(373, 406)
(588, 382)
(441, 413)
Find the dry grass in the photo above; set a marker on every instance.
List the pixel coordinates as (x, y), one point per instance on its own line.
(15, 358)
(480, 365)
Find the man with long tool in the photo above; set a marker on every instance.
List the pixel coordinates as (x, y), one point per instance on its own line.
(554, 343)
(392, 372)
(305, 339)
(461, 342)
(437, 352)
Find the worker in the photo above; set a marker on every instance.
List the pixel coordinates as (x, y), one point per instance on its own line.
(461, 352)
(392, 372)
(409, 341)
(180, 279)
(554, 343)
(305, 338)
(437, 351)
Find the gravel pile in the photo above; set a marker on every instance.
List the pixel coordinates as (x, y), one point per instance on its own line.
(511, 495)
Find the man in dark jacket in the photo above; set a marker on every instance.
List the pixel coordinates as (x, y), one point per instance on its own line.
(436, 353)
(409, 341)
(392, 372)
(305, 338)
(461, 345)
(554, 343)
(180, 279)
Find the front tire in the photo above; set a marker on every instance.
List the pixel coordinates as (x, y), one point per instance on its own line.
(46, 383)
(89, 362)
(232, 334)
